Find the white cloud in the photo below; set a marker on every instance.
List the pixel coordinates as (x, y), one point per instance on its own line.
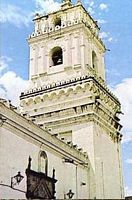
(90, 10)
(102, 21)
(103, 6)
(107, 37)
(128, 191)
(103, 35)
(127, 136)
(129, 160)
(11, 85)
(113, 72)
(110, 39)
(4, 60)
(47, 5)
(15, 15)
(91, 6)
(123, 91)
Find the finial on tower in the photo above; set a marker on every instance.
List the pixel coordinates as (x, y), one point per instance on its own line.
(63, 1)
(66, 3)
(79, 2)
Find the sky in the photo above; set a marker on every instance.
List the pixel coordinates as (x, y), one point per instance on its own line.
(115, 21)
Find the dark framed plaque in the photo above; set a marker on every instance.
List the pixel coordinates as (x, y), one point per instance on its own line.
(39, 185)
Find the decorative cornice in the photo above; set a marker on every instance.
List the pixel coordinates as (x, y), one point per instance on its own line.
(66, 89)
(72, 82)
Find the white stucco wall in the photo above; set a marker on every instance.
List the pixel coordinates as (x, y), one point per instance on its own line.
(107, 161)
(14, 152)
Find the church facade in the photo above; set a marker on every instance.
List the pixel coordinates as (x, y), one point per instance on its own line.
(68, 126)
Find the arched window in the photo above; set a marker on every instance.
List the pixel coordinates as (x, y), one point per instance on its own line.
(57, 21)
(94, 60)
(43, 162)
(57, 56)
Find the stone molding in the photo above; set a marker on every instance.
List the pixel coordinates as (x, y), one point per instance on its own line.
(85, 83)
(91, 117)
(2, 120)
(101, 115)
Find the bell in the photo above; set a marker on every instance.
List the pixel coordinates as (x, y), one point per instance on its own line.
(59, 61)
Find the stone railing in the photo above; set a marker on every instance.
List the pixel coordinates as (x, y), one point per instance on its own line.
(52, 28)
(65, 24)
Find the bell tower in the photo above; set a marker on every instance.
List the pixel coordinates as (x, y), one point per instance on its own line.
(65, 43)
(68, 94)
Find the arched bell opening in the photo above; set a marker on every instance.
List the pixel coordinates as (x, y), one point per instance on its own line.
(56, 56)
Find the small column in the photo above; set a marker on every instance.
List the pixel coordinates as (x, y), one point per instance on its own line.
(99, 64)
(41, 60)
(88, 52)
(37, 25)
(72, 49)
(103, 66)
(68, 53)
(47, 61)
(82, 46)
(44, 60)
(32, 61)
(65, 59)
(36, 60)
(77, 51)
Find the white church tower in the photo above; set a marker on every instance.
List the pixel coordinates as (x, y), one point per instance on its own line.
(68, 94)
